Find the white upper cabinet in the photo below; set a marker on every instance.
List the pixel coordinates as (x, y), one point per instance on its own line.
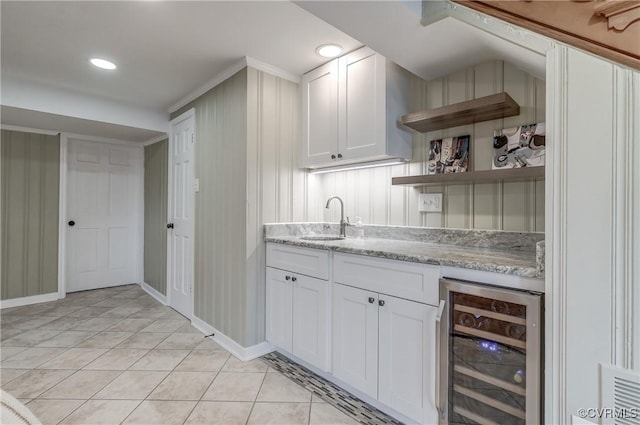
(350, 109)
(320, 114)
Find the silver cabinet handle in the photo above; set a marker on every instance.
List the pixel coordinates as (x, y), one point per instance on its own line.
(438, 348)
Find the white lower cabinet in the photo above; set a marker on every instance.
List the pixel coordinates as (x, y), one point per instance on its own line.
(355, 338)
(279, 327)
(406, 358)
(379, 344)
(310, 317)
(297, 315)
(385, 347)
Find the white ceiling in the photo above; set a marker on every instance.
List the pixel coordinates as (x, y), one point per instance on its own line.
(167, 49)
(163, 49)
(393, 29)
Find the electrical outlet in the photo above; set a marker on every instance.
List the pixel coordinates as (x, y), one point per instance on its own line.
(430, 202)
(196, 185)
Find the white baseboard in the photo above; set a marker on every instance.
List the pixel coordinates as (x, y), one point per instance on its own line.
(242, 353)
(35, 299)
(154, 293)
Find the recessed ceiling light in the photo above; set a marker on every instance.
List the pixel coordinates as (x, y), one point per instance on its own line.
(329, 50)
(102, 63)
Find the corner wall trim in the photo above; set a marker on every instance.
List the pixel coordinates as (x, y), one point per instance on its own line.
(270, 69)
(242, 353)
(34, 299)
(29, 130)
(156, 139)
(222, 76)
(154, 293)
(227, 73)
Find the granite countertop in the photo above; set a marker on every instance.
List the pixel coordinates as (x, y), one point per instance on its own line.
(513, 262)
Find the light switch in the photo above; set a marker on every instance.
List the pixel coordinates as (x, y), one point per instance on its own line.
(196, 185)
(430, 202)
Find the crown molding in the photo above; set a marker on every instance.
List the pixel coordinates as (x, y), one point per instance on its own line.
(229, 72)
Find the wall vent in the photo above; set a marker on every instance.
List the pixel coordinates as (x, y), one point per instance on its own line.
(620, 396)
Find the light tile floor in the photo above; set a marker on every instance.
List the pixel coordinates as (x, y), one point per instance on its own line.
(116, 355)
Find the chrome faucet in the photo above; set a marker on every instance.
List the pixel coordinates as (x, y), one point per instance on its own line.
(343, 223)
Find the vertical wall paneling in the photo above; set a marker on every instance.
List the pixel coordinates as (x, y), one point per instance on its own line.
(155, 216)
(593, 235)
(276, 190)
(30, 190)
(246, 159)
(625, 226)
(589, 164)
(220, 206)
(556, 236)
(633, 203)
(508, 206)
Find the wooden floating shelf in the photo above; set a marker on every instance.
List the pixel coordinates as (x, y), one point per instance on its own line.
(484, 176)
(486, 108)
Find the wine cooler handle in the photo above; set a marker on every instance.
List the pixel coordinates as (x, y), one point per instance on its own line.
(438, 348)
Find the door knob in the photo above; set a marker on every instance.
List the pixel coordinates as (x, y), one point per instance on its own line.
(339, 155)
(381, 303)
(371, 300)
(287, 277)
(333, 157)
(293, 279)
(71, 223)
(170, 226)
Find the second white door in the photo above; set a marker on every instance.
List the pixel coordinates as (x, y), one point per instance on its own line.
(180, 244)
(104, 205)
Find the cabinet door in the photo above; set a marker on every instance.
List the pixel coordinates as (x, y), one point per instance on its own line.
(279, 308)
(320, 115)
(362, 99)
(355, 338)
(407, 358)
(310, 330)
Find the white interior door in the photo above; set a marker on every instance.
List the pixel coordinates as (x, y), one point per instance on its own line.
(181, 218)
(104, 213)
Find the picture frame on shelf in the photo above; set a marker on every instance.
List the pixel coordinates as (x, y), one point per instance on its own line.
(522, 146)
(449, 155)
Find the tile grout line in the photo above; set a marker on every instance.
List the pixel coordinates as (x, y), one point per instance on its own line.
(255, 399)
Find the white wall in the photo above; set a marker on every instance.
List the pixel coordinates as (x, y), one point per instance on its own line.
(510, 206)
(593, 236)
(44, 98)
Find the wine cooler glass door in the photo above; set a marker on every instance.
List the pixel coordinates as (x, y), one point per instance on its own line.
(490, 355)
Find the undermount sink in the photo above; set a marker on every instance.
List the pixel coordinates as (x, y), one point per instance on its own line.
(322, 238)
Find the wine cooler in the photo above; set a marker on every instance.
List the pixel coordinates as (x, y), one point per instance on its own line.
(489, 370)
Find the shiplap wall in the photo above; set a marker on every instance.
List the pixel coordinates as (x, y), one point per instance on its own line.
(593, 282)
(30, 191)
(220, 206)
(246, 160)
(155, 216)
(368, 193)
(276, 188)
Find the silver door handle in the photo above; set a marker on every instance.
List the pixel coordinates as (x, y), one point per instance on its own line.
(438, 348)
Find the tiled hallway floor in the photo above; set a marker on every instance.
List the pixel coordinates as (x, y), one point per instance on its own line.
(116, 355)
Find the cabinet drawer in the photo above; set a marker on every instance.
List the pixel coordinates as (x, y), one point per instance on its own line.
(412, 281)
(310, 262)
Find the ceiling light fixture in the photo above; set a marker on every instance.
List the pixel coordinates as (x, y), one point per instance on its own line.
(102, 64)
(329, 50)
